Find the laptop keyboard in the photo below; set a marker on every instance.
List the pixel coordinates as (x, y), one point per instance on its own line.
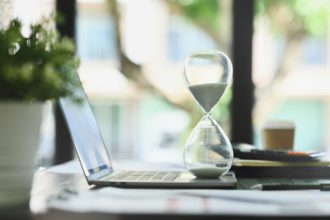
(144, 176)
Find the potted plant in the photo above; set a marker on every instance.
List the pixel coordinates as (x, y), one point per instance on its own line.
(36, 66)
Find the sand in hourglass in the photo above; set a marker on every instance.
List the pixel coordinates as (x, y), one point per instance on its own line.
(208, 94)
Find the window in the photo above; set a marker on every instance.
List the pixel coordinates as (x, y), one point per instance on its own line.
(134, 79)
(291, 68)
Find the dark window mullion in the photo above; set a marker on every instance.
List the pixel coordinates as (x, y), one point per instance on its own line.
(63, 143)
(242, 102)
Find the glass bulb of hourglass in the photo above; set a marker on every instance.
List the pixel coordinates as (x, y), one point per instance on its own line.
(208, 152)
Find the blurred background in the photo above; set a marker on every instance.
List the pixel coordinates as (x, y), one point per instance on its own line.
(132, 55)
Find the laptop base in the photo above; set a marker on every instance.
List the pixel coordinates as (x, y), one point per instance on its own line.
(184, 180)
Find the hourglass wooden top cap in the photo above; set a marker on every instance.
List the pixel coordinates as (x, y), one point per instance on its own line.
(207, 66)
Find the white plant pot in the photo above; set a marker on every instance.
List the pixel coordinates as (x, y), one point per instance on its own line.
(20, 125)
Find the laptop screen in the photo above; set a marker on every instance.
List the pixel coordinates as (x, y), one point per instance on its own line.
(85, 134)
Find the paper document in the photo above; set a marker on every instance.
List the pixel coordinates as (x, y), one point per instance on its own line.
(225, 202)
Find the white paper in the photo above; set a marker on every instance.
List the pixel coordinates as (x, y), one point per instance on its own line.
(226, 202)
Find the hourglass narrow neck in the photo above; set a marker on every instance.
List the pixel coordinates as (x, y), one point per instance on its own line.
(207, 120)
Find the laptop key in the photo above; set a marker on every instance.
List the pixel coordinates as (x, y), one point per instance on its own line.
(144, 178)
(131, 178)
(167, 179)
(157, 178)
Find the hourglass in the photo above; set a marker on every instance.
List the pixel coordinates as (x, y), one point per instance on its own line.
(208, 152)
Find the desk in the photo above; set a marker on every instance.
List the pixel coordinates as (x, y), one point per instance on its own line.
(47, 184)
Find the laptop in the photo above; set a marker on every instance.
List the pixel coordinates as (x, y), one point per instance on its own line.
(95, 159)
